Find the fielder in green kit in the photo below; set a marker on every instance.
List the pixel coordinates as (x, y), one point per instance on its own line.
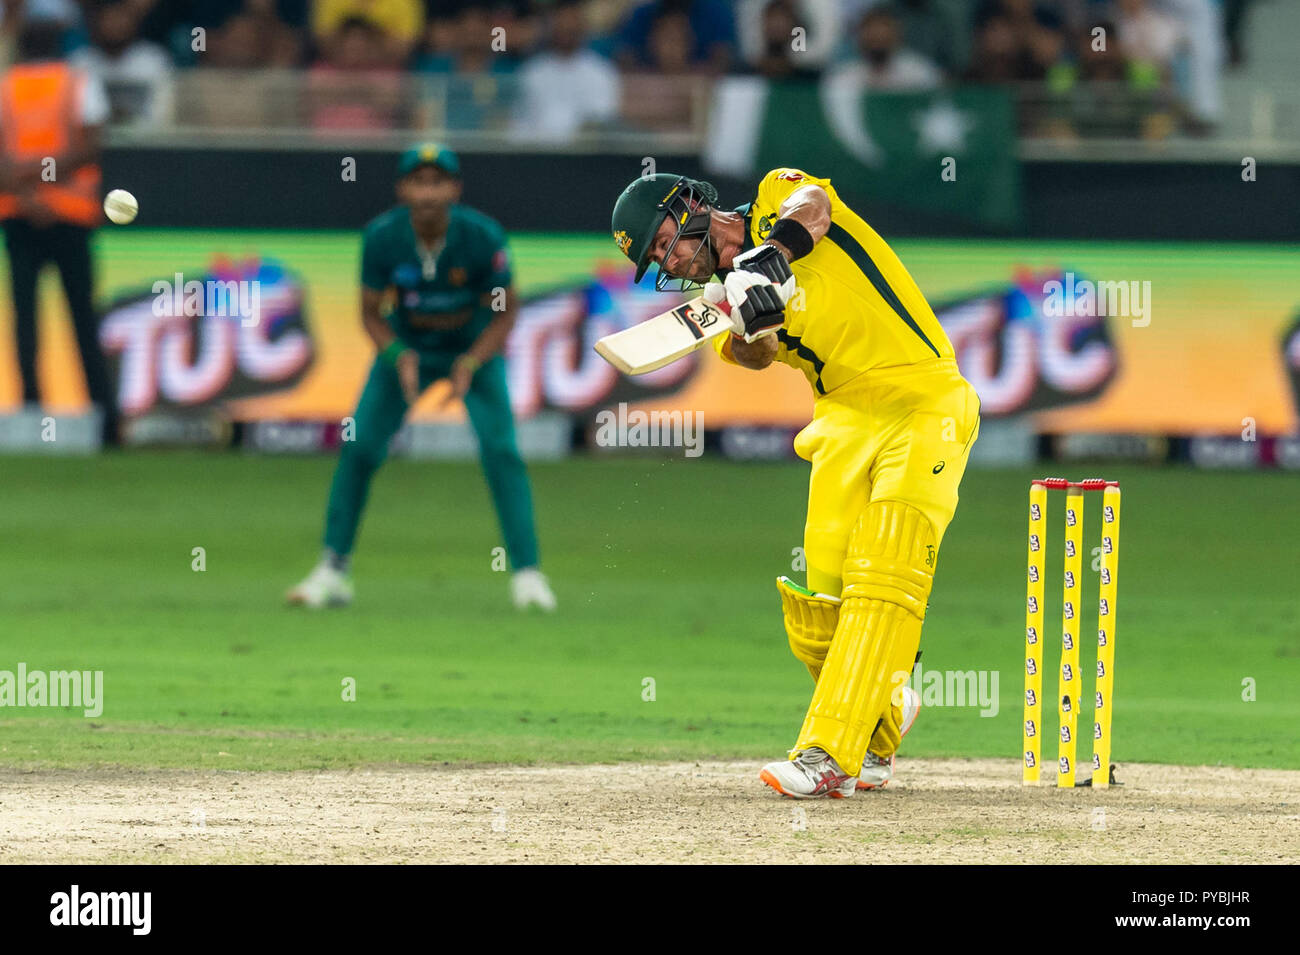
(445, 269)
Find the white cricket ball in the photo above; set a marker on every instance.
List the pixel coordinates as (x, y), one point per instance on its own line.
(120, 206)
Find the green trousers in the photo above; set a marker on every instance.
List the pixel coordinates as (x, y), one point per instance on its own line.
(378, 416)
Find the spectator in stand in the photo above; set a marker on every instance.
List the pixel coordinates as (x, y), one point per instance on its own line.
(14, 14)
(240, 47)
(566, 87)
(66, 13)
(171, 25)
(464, 47)
(463, 43)
(661, 93)
(939, 30)
(292, 13)
(520, 22)
(1155, 36)
(253, 36)
(398, 24)
(1206, 50)
(670, 44)
(356, 88)
(1101, 94)
(1234, 21)
(280, 25)
(709, 29)
(439, 43)
(1150, 39)
(767, 31)
(135, 72)
(997, 55)
(1016, 41)
(604, 18)
(883, 62)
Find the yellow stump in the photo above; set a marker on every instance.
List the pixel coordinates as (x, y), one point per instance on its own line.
(1034, 634)
(1069, 681)
(1106, 638)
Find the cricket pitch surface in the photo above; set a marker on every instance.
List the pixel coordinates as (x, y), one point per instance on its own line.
(935, 811)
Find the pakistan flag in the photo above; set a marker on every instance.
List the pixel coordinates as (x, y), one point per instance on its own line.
(950, 154)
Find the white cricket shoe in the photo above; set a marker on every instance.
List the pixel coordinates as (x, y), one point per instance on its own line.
(529, 587)
(810, 775)
(877, 771)
(323, 587)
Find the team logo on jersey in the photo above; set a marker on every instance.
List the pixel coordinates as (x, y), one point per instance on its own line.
(457, 276)
(765, 225)
(623, 240)
(407, 275)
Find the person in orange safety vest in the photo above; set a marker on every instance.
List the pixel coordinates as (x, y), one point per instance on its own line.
(50, 117)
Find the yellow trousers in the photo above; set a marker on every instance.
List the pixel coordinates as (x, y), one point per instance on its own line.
(888, 451)
(892, 434)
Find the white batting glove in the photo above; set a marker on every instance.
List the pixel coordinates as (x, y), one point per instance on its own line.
(755, 303)
(715, 293)
(767, 260)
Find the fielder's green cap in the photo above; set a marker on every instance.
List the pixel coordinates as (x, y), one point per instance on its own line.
(428, 154)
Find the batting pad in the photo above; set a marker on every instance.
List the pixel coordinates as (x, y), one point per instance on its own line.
(810, 620)
(888, 572)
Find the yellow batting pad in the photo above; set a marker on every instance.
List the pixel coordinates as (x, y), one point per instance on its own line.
(809, 622)
(888, 572)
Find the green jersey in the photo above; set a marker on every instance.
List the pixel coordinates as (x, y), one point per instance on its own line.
(443, 295)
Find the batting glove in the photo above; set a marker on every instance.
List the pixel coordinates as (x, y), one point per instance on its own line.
(767, 260)
(756, 304)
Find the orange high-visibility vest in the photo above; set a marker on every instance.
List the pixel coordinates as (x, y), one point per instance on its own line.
(40, 110)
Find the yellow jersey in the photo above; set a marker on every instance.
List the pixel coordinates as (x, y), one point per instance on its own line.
(855, 308)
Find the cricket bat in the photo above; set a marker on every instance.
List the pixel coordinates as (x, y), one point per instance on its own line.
(665, 338)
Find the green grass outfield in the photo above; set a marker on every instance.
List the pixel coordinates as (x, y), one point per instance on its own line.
(663, 568)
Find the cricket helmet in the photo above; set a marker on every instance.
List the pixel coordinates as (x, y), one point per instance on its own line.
(640, 211)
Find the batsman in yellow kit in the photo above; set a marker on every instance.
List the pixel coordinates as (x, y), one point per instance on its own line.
(809, 283)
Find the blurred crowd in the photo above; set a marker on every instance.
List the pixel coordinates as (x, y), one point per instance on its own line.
(1084, 67)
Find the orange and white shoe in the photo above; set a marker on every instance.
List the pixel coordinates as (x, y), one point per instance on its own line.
(810, 775)
(876, 770)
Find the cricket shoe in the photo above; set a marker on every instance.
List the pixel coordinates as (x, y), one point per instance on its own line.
(323, 587)
(877, 770)
(529, 588)
(810, 775)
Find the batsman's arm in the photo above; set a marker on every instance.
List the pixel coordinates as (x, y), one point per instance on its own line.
(761, 282)
(755, 355)
(803, 220)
